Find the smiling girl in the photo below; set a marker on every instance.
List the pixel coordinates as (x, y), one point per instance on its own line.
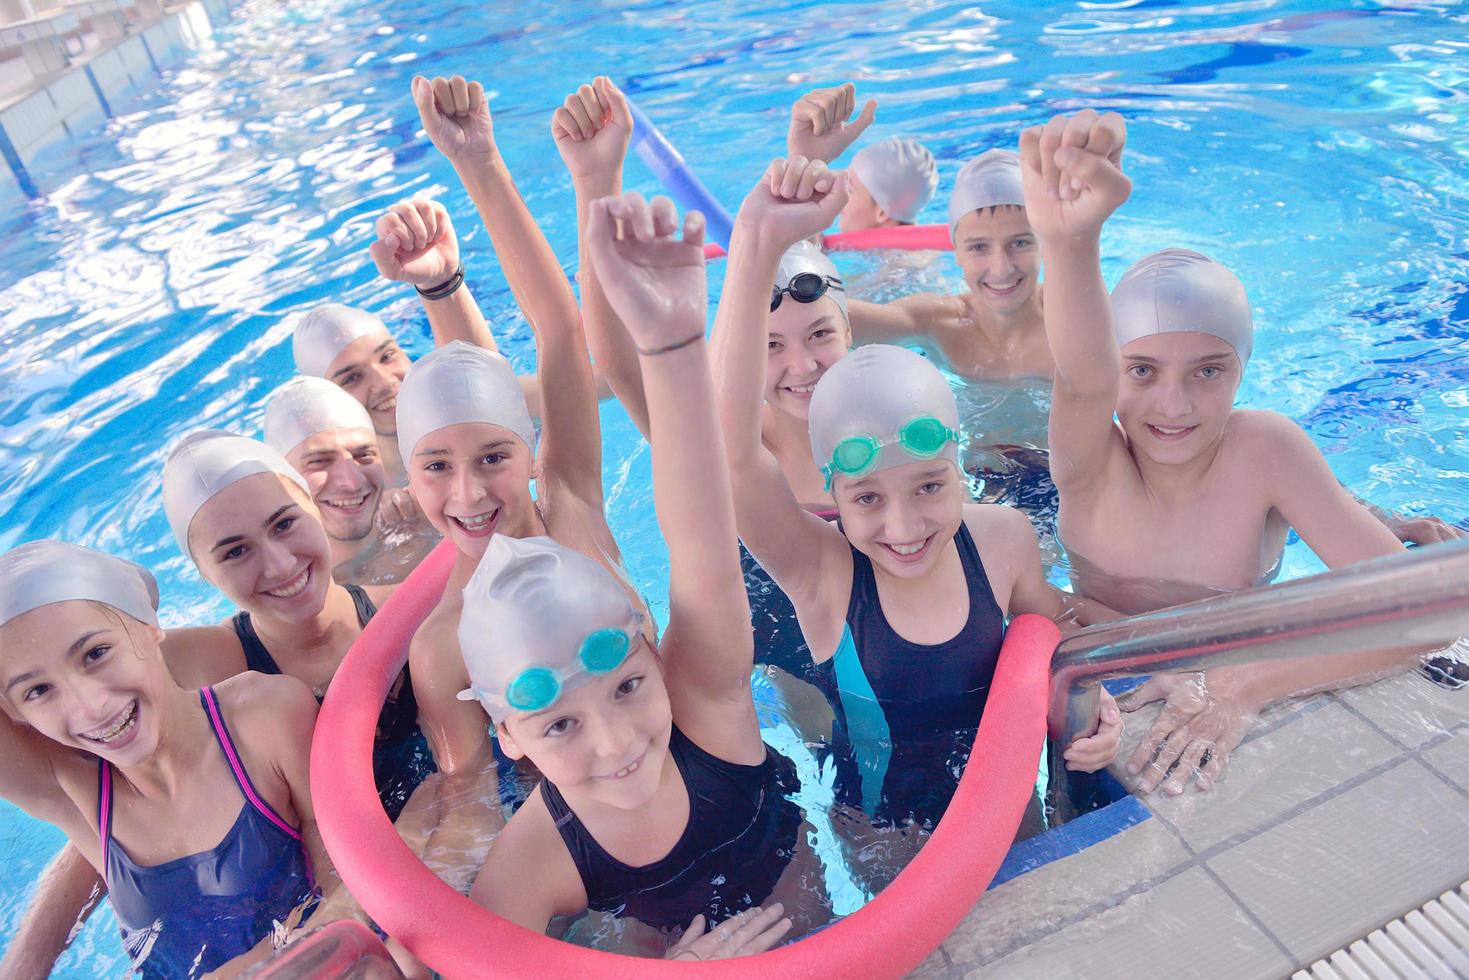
(194, 806)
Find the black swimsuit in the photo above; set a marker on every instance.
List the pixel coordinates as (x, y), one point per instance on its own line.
(740, 837)
(911, 709)
(401, 757)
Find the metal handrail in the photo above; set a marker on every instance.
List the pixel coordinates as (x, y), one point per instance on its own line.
(1419, 598)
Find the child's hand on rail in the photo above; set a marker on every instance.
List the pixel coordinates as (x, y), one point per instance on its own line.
(1097, 750)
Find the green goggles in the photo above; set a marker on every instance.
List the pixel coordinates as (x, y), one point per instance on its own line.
(922, 438)
(537, 687)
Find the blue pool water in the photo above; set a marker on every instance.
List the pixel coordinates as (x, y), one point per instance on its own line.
(1316, 148)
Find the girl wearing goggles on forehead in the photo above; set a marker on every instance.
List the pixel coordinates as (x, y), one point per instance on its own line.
(904, 601)
(660, 801)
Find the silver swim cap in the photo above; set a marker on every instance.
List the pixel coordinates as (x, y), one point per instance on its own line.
(865, 402)
(540, 619)
(899, 173)
(990, 179)
(460, 383)
(205, 462)
(1178, 291)
(323, 333)
(302, 407)
(806, 257)
(42, 572)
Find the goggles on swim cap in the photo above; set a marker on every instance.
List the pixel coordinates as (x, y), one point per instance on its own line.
(922, 438)
(805, 287)
(537, 687)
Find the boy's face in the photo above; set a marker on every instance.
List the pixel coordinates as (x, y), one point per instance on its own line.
(371, 369)
(903, 516)
(471, 479)
(604, 740)
(998, 254)
(805, 340)
(1176, 394)
(862, 210)
(345, 473)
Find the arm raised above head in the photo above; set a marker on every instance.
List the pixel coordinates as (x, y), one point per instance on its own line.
(457, 119)
(820, 129)
(1071, 172)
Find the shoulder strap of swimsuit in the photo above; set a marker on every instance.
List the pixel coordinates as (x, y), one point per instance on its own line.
(366, 608)
(257, 658)
(222, 734)
(974, 574)
(104, 808)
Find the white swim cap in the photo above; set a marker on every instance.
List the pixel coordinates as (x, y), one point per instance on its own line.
(899, 173)
(540, 619)
(990, 179)
(1178, 291)
(459, 383)
(42, 572)
(806, 257)
(302, 407)
(323, 333)
(205, 462)
(870, 396)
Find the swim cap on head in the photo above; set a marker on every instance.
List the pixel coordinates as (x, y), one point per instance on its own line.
(324, 332)
(205, 462)
(460, 383)
(302, 407)
(42, 572)
(990, 179)
(539, 619)
(899, 173)
(806, 257)
(872, 395)
(1178, 291)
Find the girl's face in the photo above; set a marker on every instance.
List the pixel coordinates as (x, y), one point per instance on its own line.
(1176, 394)
(345, 473)
(371, 369)
(606, 740)
(87, 676)
(998, 254)
(902, 517)
(805, 340)
(260, 541)
(470, 479)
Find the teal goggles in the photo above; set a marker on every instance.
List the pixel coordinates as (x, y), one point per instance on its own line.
(922, 438)
(537, 687)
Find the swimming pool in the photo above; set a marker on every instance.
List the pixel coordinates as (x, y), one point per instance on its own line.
(1316, 148)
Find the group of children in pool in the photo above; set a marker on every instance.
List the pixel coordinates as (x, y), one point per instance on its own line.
(176, 760)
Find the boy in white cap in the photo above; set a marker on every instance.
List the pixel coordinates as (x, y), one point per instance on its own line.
(328, 437)
(1183, 495)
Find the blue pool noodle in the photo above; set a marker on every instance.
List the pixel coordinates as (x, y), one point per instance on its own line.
(668, 166)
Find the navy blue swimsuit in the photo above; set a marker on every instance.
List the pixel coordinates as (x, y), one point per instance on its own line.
(910, 710)
(740, 837)
(401, 757)
(191, 915)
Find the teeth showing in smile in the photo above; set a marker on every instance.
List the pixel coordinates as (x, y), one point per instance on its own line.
(347, 503)
(627, 771)
(908, 549)
(386, 406)
(998, 288)
(292, 588)
(477, 522)
(111, 733)
(1171, 430)
(801, 389)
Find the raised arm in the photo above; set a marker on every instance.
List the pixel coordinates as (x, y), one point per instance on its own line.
(1071, 169)
(819, 123)
(657, 285)
(902, 319)
(416, 244)
(457, 119)
(592, 130)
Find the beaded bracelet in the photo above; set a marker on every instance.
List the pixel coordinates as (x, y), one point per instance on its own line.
(446, 288)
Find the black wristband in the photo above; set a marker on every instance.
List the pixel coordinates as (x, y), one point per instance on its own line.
(676, 345)
(446, 288)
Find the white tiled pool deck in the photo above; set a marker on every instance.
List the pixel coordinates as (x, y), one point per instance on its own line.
(1340, 813)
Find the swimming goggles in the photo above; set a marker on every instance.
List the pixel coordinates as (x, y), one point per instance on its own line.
(805, 287)
(922, 438)
(537, 687)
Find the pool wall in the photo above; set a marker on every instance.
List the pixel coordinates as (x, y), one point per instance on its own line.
(92, 90)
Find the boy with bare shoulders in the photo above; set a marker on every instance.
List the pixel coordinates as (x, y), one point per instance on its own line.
(1183, 495)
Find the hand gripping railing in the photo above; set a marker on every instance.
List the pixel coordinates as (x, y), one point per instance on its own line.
(1420, 598)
